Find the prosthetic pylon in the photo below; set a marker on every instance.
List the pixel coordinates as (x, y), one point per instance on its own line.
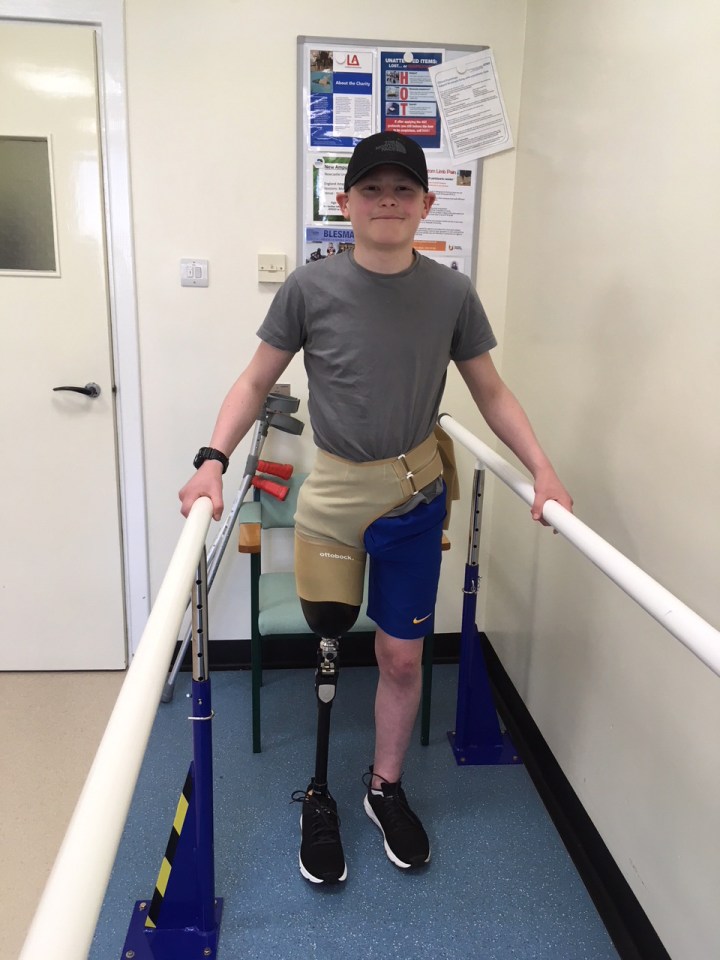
(329, 620)
(326, 678)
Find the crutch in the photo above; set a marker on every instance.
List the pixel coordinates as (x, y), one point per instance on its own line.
(275, 413)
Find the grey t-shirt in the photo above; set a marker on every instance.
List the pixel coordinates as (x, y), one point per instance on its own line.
(377, 347)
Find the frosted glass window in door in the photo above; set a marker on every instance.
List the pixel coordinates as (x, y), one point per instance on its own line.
(27, 235)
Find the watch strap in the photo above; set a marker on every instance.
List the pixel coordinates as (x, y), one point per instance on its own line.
(210, 453)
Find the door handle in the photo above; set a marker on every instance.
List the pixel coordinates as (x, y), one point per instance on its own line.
(89, 390)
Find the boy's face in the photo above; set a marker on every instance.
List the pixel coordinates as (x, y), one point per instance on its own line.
(386, 208)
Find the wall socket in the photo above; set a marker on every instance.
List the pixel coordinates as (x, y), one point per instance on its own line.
(271, 268)
(194, 273)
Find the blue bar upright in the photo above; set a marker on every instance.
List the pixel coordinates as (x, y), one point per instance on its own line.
(477, 738)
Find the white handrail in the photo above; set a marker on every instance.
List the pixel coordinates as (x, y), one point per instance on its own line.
(65, 920)
(678, 619)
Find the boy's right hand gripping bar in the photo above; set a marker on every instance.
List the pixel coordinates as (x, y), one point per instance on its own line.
(282, 470)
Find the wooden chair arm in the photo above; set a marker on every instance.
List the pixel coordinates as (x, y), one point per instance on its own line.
(249, 538)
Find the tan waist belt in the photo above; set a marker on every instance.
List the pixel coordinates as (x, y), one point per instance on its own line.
(341, 498)
(414, 470)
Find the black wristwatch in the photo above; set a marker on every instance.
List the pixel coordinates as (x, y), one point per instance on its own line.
(210, 453)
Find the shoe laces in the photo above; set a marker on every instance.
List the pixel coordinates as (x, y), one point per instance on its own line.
(395, 805)
(324, 822)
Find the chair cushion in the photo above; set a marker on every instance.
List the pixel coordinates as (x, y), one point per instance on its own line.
(280, 610)
(250, 512)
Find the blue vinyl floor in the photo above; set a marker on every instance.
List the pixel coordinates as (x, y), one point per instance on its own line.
(500, 885)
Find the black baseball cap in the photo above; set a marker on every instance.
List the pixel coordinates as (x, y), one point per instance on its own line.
(383, 148)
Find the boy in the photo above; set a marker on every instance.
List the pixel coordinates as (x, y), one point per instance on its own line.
(378, 326)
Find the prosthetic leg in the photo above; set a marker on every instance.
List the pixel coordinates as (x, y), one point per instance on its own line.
(321, 854)
(330, 621)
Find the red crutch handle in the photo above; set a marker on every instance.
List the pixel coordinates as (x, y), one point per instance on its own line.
(276, 490)
(283, 470)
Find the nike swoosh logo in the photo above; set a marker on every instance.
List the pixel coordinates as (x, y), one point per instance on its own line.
(422, 619)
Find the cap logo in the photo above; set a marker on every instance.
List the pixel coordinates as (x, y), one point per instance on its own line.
(392, 146)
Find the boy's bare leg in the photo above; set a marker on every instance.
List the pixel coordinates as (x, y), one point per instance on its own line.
(396, 703)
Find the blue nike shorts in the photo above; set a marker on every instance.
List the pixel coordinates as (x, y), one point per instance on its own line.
(405, 555)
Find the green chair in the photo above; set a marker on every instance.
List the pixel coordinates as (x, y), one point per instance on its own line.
(275, 609)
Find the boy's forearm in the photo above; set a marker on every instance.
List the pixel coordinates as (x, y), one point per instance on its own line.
(238, 411)
(241, 406)
(508, 421)
(503, 413)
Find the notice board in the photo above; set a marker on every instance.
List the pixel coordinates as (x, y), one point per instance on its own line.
(350, 89)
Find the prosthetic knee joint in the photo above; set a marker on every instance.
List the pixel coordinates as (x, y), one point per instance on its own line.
(329, 620)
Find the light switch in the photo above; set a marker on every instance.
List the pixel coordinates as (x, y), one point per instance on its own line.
(271, 268)
(194, 273)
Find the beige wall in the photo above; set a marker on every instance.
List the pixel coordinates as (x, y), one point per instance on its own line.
(212, 104)
(612, 339)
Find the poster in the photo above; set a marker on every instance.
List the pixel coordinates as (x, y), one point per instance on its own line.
(408, 101)
(446, 234)
(322, 242)
(472, 106)
(340, 96)
(328, 179)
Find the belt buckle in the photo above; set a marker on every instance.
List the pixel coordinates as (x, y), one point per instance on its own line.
(409, 475)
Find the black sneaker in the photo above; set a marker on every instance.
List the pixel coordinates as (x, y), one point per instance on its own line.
(321, 854)
(406, 842)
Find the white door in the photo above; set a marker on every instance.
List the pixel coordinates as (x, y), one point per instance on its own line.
(61, 590)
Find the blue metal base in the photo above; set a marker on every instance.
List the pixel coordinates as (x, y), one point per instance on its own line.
(477, 738)
(484, 754)
(181, 921)
(190, 943)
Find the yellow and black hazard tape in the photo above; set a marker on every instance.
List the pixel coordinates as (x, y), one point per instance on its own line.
(166, 866)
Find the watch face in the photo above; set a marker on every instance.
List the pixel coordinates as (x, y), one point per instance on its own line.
(201, 456)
